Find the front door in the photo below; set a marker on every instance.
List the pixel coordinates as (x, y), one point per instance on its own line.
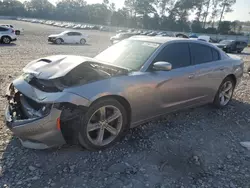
(176, 88)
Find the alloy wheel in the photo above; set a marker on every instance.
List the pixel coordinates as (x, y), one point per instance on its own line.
(6, 40)
(226, 93)
(83, 41)
(58, 41)
(104, 125)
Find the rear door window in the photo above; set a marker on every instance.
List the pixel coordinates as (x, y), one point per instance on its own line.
(201, 53)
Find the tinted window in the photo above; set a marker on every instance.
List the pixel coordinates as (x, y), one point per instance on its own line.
(201, 53)
(69, 34)
(3, 29)
(177, 54)
(76, 34)
(216, 55)
(73, 34)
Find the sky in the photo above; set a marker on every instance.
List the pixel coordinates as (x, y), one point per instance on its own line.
(240, 12)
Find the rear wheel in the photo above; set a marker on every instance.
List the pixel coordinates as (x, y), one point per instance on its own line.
(82, 41)
(6, 40)
(102, 125)
(225, 93)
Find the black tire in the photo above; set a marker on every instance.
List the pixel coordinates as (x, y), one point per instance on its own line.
(6, 40)
(18, 32)
(83, 41)
(216, 101)
(84, 119)
(59, 41)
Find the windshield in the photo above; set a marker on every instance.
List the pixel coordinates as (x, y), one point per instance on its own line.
(131, 54)
(225, 42)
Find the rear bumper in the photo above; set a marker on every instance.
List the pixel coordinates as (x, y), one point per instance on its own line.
(37, 132)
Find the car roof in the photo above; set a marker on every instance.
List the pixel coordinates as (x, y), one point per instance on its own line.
(163, 40)
(158, 39)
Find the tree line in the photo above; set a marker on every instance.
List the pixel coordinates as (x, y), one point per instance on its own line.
(171, 15)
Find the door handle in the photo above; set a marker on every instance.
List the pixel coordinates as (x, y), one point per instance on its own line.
(191, 76)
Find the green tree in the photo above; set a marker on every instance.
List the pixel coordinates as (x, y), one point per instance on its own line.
(12, 8)
(224, 27)
(39, 8)
(225, 7)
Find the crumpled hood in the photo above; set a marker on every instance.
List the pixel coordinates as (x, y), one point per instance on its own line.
(54, 66)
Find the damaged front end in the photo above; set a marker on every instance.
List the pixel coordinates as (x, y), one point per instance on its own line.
(41, 110)
(32, 122)
(22, 109)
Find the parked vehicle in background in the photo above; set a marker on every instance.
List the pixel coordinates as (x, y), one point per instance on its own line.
(120, 36)
(70, 37)
(231, 45)
(17, 31)
(7, 35)
(93, 101)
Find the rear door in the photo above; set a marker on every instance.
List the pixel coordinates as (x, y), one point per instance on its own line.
(77, 37)
(3, 30)
(210, 70)
(240, 45)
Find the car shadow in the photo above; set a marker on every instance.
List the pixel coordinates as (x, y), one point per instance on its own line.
(175, 148)
(7, 45)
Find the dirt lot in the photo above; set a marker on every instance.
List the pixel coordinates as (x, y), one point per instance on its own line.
(193, 148)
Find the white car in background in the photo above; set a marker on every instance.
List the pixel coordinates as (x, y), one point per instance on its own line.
(7, 35)
(69, 37)
(17, 31)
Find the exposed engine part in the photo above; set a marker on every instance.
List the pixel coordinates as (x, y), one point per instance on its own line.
(22, 107)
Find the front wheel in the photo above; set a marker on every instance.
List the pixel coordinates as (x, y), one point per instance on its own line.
(102, 125)
(58, 41)
(225, 93)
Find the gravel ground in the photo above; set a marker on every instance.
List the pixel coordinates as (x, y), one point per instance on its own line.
(193, 148)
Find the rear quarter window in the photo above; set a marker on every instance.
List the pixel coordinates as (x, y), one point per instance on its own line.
(216, 55)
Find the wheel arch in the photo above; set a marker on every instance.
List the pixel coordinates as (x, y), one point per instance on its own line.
(233, 77)
(124, 102)
(60, 39)
(5, 36)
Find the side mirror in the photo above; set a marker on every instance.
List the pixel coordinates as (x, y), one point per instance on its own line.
(162, 66)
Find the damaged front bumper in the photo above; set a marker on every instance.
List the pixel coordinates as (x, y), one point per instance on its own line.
(35, 124)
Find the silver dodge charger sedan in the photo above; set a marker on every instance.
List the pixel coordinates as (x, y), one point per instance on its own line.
(93, 101)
